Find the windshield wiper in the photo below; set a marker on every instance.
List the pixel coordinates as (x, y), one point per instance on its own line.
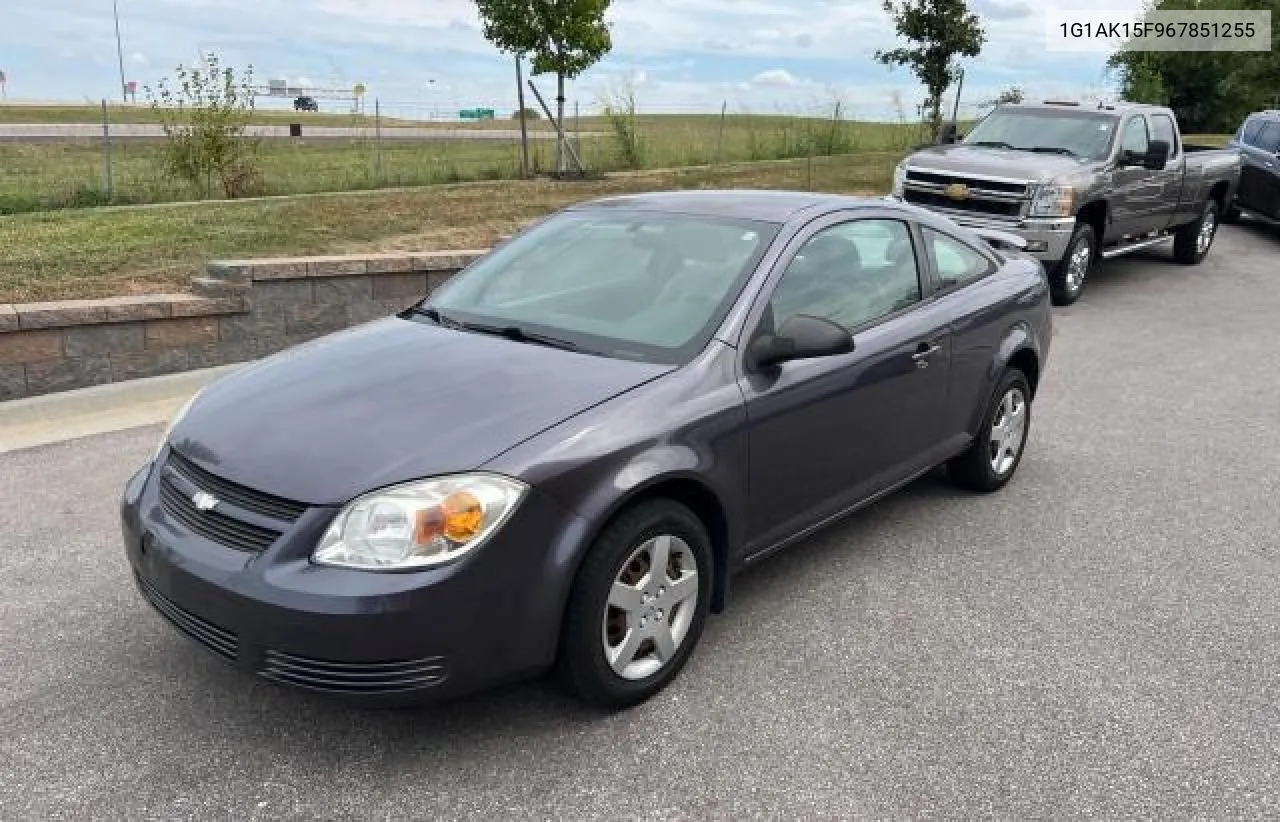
(435, 316)
(1051, 150)
(989, 144)
(517, 334)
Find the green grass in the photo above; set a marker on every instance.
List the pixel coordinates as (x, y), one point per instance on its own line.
(42, 176)
(101, 252)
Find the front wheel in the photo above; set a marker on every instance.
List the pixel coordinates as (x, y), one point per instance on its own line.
(1192, 242)
(1066, 282)
(638, 605)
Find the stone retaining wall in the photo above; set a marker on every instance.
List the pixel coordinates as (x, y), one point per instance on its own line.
(239, 310)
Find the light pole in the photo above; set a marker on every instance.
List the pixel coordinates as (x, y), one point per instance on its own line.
(124, 89)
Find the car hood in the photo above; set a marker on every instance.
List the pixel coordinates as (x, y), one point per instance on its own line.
(959, 159)
(388, 402)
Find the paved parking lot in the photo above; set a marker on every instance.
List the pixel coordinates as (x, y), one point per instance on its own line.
(1103, 637)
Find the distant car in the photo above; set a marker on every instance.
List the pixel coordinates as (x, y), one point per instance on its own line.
(306, 104)
(562, 455)
(1259, 144)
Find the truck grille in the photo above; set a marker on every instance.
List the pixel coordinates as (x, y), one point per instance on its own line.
(997, 198)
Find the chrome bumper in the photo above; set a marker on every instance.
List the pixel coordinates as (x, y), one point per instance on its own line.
(1047, 238)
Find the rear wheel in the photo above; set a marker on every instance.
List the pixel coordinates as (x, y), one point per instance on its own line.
(638, 605)
(993, 458)
(1192, 242)
(1067, 280)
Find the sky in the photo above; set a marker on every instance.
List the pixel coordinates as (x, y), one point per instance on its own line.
(429, 57)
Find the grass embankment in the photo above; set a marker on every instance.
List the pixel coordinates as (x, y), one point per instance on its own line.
(43, 176)
(142, 113)
(75, 254)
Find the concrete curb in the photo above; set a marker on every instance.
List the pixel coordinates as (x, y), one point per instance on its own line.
(84, 412)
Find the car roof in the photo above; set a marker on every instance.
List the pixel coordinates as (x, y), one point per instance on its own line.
(763, 206)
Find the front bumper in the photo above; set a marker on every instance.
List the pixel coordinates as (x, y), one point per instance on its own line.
(1047, 238)
(371, 638)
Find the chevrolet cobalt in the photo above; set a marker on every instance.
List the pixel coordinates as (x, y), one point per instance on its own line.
(560, 458)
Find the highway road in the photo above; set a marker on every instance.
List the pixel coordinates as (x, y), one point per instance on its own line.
(1102, 638)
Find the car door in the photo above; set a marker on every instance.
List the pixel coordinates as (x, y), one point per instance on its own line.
(827, 433)
(1137, 189)
(1168, 180)
(1260, 176)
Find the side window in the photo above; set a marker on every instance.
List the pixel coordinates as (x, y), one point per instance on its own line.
(1252, 128)
(1162, 129)
(852, 274)
(1135, 137)
(1269, 138)
(955, 262)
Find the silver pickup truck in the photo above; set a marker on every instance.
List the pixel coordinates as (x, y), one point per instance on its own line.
(1077, 184)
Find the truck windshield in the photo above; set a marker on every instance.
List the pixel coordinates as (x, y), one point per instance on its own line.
(1080, 133)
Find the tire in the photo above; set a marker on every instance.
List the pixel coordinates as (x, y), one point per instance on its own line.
(1066, 283)
(1192, 242)
(596, 629)
(978, 469)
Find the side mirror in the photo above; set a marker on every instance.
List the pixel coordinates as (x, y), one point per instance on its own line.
(1157, 156)
(801, 337)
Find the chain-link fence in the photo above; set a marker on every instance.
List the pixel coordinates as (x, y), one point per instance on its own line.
(86, 156)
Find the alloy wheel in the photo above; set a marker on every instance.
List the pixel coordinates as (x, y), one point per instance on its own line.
(1078, 265)
(1008, 431)
(1208, 226)
(651, 607)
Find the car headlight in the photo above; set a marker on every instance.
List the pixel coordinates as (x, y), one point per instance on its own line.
(1053, 201)
(899, 179)
(173, 423)
(419, 524)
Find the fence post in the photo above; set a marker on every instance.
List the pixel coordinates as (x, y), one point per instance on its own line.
(724, 110)
(577, 136)
(377, 137)
(106, 151)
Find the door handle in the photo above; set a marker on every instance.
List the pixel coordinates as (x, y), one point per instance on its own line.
(924, 351)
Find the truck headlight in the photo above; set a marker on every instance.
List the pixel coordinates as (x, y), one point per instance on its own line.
(420, 524)
(1053, 201)
(899, 179)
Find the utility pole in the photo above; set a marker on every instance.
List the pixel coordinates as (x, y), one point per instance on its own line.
(524, 126)
(124, 89)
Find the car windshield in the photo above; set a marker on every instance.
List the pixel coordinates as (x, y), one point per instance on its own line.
(633, 285)
(1078, 133)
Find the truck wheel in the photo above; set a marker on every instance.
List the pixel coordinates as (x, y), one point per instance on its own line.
(1192, 242)
(1066, 282)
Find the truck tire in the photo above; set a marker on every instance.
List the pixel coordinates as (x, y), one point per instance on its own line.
(1066, 281)
(1192, 241)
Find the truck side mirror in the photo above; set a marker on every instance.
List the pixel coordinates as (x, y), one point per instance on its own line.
(1157, 156)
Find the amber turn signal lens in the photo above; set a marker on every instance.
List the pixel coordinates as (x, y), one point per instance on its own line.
(463, 516)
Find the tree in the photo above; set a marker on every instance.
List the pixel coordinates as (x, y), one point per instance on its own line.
(564, 37)
(204, 112)
(941, 31)
(1210, 92)
(1010, 96)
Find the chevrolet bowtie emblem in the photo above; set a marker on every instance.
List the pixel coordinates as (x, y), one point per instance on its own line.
(957, 191)
(204, 501)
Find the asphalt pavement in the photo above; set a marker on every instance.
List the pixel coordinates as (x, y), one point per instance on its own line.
(1102, 638)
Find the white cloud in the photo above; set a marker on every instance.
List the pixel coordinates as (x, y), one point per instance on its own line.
(777, 78)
